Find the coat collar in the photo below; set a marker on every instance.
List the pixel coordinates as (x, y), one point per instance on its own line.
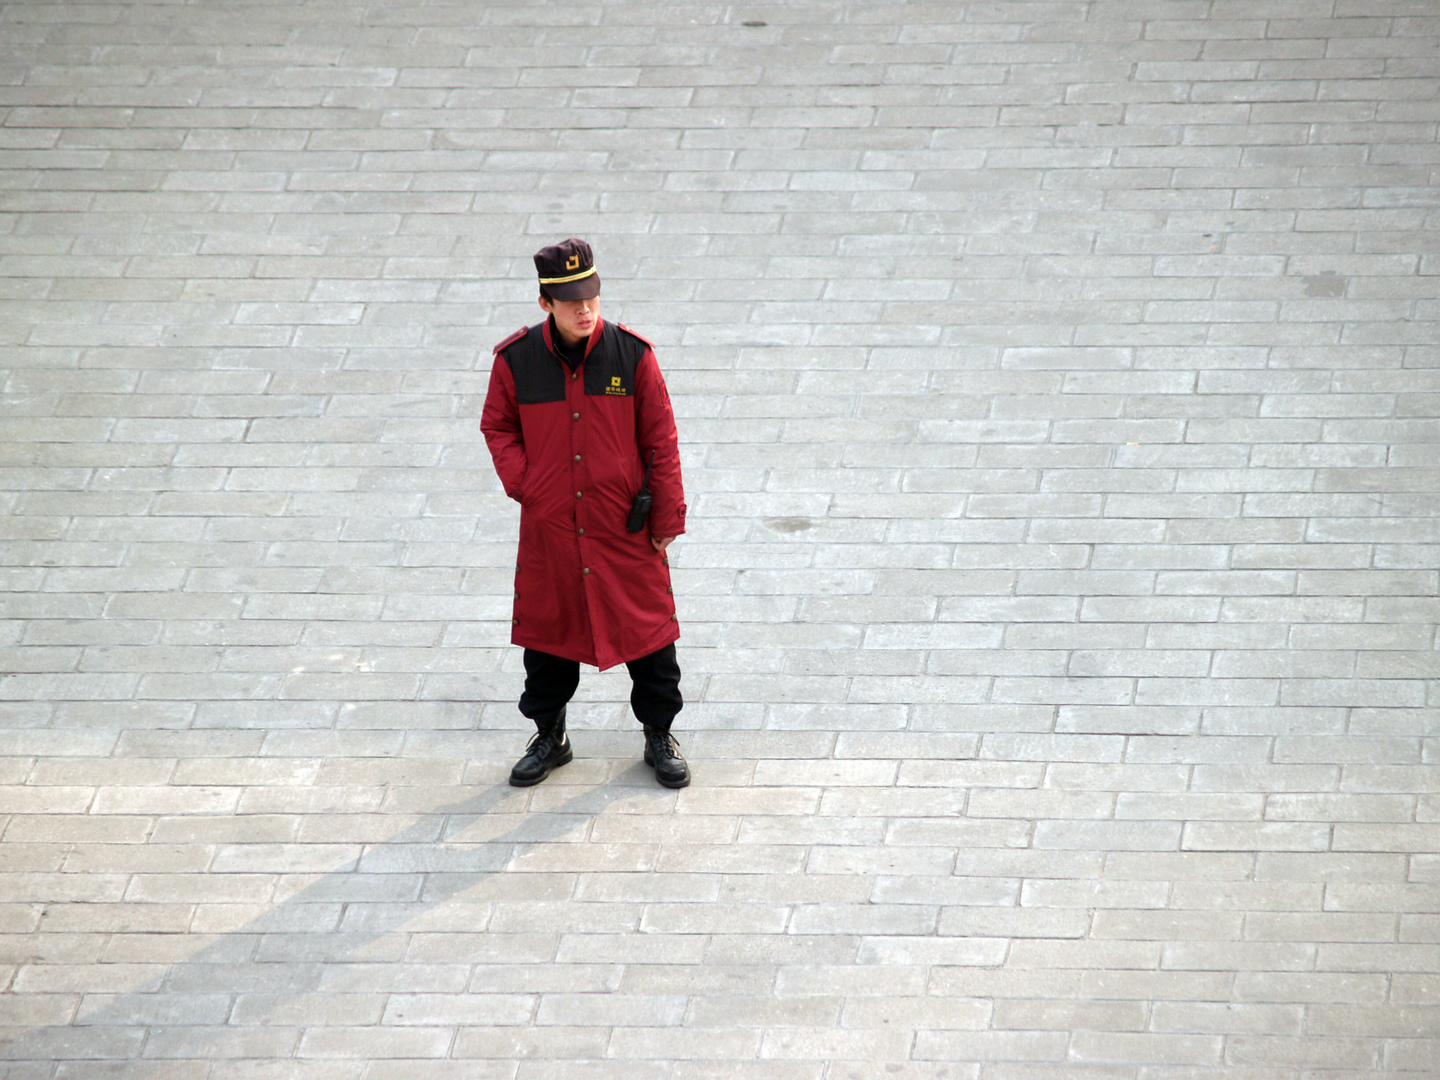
(547, 330)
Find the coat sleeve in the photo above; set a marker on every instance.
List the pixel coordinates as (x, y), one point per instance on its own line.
(655, 431)
(500, 424)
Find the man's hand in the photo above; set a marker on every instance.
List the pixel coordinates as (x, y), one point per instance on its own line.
(661, 543)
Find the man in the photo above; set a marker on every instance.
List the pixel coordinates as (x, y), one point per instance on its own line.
(578, 422)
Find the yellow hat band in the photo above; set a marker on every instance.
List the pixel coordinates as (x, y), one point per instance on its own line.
(563, 280)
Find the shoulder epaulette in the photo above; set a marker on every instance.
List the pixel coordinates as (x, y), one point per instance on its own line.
(638, 337)
(512, 339)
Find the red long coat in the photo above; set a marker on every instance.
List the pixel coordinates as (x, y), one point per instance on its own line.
(571, 448)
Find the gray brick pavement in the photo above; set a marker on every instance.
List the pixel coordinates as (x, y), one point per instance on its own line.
(1057, 385)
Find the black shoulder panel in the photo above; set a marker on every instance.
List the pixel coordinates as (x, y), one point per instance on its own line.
(536, 369)
(610, 367)
(516, 336)
(643, 340)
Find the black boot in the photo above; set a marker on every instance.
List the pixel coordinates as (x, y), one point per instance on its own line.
(663, 756)
(549, 749)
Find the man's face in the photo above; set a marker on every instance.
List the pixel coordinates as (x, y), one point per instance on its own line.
(573, 318)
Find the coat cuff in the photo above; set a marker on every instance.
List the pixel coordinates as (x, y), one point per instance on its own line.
(671, 524)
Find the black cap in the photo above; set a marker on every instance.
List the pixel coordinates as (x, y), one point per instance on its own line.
(567, 271)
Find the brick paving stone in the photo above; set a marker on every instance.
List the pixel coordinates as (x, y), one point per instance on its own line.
(1057, 391)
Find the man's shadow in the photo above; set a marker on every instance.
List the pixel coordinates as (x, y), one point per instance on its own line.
(200, 991)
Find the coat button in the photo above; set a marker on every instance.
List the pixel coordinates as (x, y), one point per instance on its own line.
(586, 570)
(577, 457)
(582, 532)
(574, 416)
(579, 494)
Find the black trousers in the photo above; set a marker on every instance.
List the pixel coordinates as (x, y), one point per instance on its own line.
(550, 682)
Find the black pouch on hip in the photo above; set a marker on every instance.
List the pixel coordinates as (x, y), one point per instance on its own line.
(640, 507)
